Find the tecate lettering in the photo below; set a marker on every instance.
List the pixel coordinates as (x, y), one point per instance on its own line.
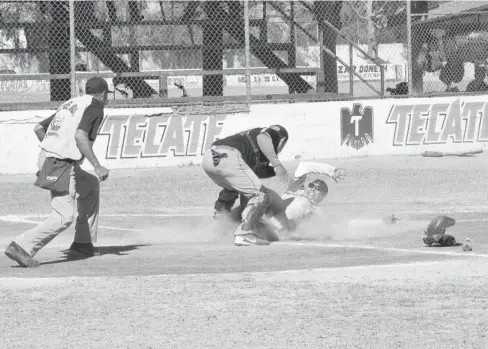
(139, 136)
(437, 123)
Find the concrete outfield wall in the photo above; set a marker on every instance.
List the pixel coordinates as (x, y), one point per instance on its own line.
(154, 137)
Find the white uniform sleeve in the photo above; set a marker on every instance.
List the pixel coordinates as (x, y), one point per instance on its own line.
(306, 167)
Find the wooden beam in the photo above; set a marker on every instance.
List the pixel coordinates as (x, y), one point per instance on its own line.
(129, 49)
(156, 74)
(99, 25)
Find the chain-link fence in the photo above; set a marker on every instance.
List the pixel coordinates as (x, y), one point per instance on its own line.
(234, 52)
(32, 52)
(450, 53)
(179, 52)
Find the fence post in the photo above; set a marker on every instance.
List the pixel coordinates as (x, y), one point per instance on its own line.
(409, 49)
(72, 46)
(351, 67)
(321, 74)
(382, 83)
(163, 86)
(247, 52)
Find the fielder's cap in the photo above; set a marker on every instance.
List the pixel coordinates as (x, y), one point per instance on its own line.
(96, 85)
(320, 186)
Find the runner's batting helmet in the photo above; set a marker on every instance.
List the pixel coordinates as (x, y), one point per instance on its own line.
(320, 185)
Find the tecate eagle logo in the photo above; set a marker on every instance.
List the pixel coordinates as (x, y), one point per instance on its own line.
(357, 126)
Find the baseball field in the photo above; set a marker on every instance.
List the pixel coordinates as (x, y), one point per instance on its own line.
(165, 280)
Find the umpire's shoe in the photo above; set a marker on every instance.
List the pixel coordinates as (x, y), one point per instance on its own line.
(83, 250)
(18, 254)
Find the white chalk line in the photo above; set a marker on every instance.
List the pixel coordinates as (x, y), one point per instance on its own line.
(162, 215)
(393, 249)
(471, 220)
(474, 209)
(20, 220)
(24, 218)
(204, 212)
(331, 246)
(28, 221)
(440, 210)
(122, 229)
(28, 280)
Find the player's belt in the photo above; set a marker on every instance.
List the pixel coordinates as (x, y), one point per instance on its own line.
(71, 161)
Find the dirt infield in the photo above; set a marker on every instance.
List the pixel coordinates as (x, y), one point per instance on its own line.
(165, 281)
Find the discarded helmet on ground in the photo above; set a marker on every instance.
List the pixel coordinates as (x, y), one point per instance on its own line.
(436, 236)
(439, 224)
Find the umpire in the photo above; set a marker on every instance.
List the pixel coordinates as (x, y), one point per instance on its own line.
(67, 138)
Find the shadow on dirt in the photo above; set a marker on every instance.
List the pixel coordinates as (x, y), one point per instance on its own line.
(456, 244)
(104, 250)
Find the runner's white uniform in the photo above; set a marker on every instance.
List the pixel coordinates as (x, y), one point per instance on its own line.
(298, 206)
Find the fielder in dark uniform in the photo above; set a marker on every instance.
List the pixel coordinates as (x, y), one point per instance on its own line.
(237, 164)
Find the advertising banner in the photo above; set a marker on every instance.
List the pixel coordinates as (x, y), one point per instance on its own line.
(162, 135)
(157, 137)
(411, 126)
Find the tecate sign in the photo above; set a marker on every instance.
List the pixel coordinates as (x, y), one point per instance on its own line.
(436, 123)
(141, 136)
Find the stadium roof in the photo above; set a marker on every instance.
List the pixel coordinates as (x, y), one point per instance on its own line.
(464, 16)
(457, 6)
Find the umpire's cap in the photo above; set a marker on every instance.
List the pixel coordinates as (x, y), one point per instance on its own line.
(96, 85)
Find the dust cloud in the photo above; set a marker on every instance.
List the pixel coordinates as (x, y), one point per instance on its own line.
(346, 227)
(327, 228)
(184, 231)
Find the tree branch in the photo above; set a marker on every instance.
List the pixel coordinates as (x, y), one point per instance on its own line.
(381, 9)
(357, 10)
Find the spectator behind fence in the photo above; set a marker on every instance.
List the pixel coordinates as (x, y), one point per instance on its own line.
(80, 81)
(478, 84)
(400, 89)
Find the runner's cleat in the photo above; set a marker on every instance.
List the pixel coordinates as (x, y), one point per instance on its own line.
(250, 240)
